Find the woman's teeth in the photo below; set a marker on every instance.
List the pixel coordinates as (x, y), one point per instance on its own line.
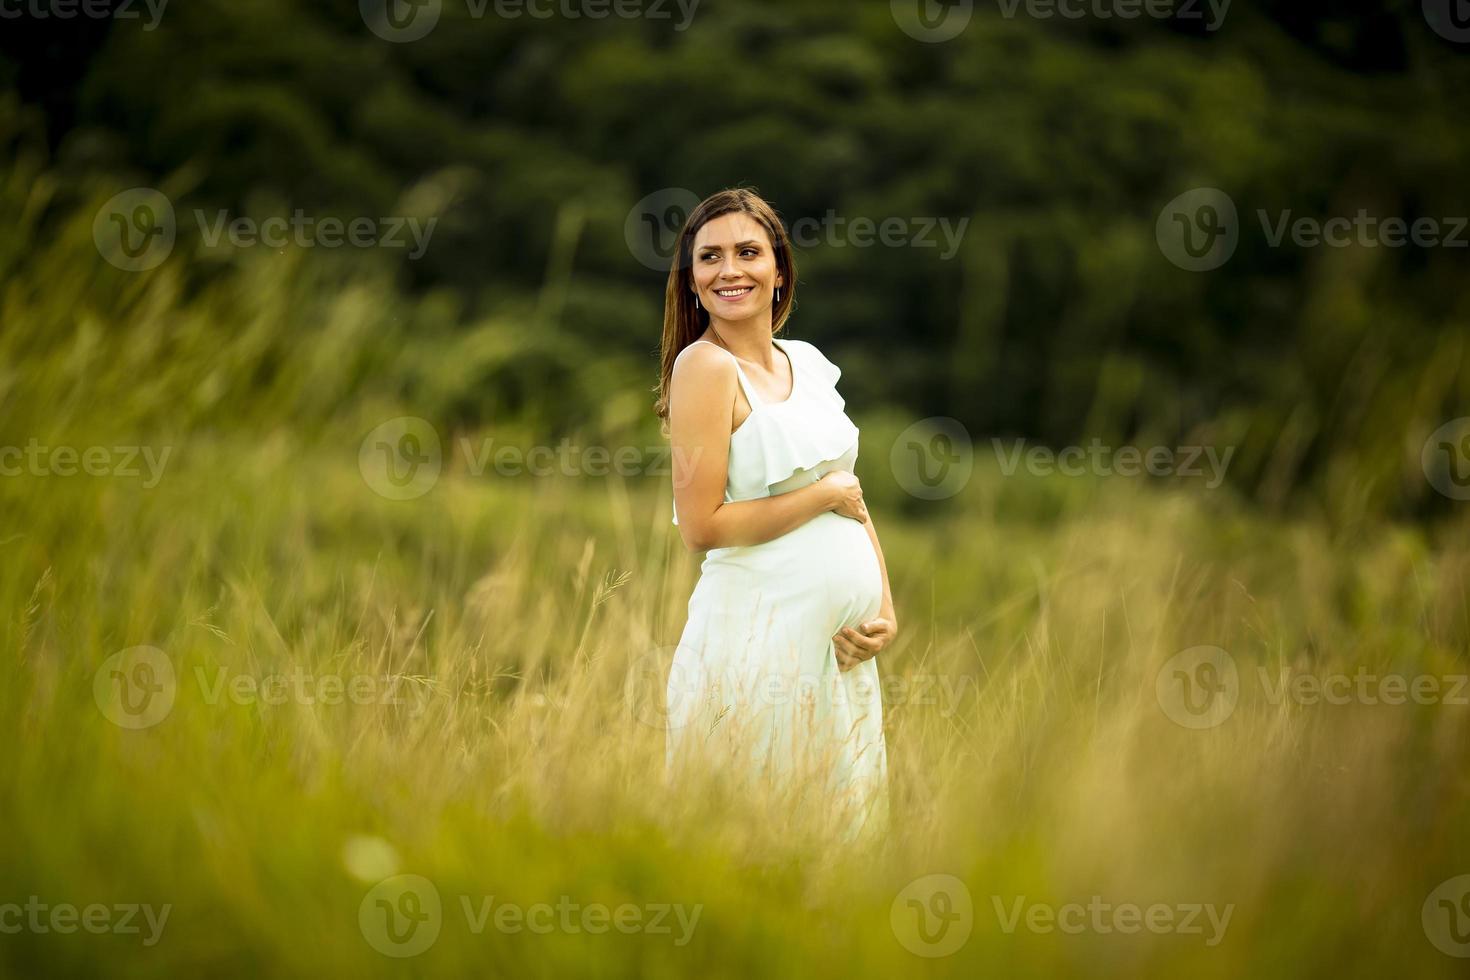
(733, 293)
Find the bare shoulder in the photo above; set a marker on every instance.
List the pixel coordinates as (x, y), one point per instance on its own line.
(703, 364)
(702, 384)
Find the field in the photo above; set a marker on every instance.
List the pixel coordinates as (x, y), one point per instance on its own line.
(496, 642)
(1135, 727)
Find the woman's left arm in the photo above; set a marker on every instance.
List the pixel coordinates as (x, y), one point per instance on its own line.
(886, 609)
(853, 646)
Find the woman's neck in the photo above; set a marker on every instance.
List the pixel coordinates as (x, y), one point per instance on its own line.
(749, 340)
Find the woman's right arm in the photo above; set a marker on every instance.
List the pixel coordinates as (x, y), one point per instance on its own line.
(702, 392)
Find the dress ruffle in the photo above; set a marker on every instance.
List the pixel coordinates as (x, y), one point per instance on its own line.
(778, 439)
(782, 446)
(818, 365)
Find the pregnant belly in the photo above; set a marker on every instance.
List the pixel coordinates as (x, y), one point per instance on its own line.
(826, 568)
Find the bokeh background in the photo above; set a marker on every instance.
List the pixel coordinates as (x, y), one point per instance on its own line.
(548, 161)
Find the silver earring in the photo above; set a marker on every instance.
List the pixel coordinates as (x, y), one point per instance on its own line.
(778, 294)
(696, 302)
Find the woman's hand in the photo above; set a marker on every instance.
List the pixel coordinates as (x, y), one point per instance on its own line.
(853, 646)
(847, 495)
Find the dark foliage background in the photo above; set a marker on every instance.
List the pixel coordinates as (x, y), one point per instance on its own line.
(1058, 319)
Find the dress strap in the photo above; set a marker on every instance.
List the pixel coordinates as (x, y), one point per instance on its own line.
(745, 385)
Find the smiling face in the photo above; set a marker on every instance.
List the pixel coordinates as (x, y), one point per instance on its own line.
(734, 267)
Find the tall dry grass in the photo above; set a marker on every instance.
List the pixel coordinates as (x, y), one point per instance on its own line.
(519, 625)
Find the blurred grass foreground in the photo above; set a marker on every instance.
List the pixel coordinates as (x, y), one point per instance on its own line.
(298, 726)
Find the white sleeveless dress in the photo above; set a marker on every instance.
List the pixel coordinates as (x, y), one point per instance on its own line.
(754, 686)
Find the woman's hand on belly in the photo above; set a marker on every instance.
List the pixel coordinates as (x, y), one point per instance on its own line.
(853, 646)
(848, 491)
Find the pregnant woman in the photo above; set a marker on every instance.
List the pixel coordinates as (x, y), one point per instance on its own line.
(774, 676)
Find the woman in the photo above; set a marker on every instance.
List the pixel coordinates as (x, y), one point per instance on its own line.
(774, 675)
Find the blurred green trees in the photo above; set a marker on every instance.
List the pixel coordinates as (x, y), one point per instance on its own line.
(1060, 318)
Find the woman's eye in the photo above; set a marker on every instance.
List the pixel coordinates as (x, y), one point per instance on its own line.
(750, 252)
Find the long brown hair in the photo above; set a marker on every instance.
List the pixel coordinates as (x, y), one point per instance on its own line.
(683, 321)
